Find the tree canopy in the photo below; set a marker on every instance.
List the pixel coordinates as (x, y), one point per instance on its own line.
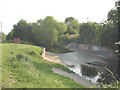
(50, 32)
(72, 25)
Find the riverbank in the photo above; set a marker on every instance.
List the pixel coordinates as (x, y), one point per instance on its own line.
(82, 62)
(75, 77)
(23, 67)
(79, 79)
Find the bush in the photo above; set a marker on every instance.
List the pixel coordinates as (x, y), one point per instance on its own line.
(26, 42)
(19, 56)
(23, 57)
(27, 59)
(7, 41)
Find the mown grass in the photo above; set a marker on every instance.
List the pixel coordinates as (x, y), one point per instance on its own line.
(23, 67)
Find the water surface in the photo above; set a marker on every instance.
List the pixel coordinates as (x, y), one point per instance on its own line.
(87, 66)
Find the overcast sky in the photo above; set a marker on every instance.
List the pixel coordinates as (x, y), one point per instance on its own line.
(11, 11)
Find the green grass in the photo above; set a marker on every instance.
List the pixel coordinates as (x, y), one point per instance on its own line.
(23, 67)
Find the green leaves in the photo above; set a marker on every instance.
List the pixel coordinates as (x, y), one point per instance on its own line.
(72, 25)
(87, 33)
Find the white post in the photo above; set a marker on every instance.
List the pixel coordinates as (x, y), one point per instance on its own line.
(43, 54)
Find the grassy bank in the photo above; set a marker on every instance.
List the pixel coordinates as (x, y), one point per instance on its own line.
(23, 67)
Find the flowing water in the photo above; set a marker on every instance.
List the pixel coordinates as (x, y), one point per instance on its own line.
(88, 66)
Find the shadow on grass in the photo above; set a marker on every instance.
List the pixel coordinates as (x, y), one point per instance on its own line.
(43, 67)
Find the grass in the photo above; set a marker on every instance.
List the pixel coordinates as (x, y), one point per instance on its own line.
(23, 67)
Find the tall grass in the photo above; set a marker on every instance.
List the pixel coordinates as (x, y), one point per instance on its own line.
(23, 67)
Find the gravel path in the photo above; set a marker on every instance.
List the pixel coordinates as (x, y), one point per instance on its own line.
(75, 77)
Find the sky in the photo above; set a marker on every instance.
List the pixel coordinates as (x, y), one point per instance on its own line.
(11, 11)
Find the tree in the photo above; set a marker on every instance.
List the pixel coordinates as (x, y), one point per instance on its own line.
(46, 33)
(46, 36)
(112, 16)
(109, 31)
(53, 25)
(2, 36)
(109, 35)
(23, 30)
(72, 25)
(87, 33)
(10, 35)
(61, 28)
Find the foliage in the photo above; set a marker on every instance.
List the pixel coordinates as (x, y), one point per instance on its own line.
(115, 78)
(22, 30)
(72, 25)
(7, 41)
(109, 34)
(3, 36)
(57, 49)
(49, 32)
(46, 36)
(64, 38)
(114, 84)
(100, 33)
(26, 42)
(61, 28)
(88, 33)
(113, 16)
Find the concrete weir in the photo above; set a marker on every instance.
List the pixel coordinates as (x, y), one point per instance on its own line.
(50, 57)
(54, 58)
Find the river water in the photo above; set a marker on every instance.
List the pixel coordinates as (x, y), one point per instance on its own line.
(88, 66)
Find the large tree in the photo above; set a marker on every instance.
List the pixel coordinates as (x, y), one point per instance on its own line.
(22, 30)
(46, 33)
(87, 33)
(72, 25)
(109, 35)
(112, 16)
(53, 25)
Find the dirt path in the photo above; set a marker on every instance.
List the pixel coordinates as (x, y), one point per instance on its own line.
(75, 77)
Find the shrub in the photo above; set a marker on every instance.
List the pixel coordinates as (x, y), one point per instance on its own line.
(7, 41)
(19, 56)
(26, 42)
(11, 52)
(27, 59)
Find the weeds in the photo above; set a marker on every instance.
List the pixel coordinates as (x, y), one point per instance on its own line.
(114, 84)
(19, 56)
(11, 52)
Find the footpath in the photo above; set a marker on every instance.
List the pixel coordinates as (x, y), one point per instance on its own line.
(75, 77)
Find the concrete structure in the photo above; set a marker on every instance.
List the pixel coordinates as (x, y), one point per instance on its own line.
(86, 47)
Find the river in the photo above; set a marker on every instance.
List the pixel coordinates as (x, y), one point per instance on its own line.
(89, 66)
